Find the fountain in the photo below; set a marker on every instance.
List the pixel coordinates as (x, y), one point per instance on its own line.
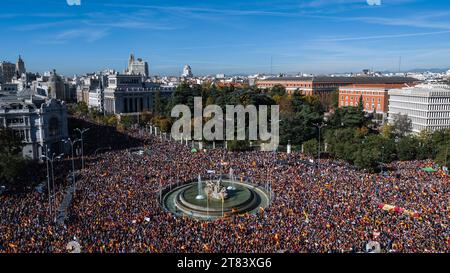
(199, 196)
(231, 187)
(212, 199)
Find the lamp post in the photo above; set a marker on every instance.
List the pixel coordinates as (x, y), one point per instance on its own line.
(82, 144)
(48, 178)
(319, 127)
(72, 143)
(51, 159)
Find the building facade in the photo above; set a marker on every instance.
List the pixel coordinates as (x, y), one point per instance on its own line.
(88, 85)
(127, 94)
(137, 67)
(9, 87)
(375, 98)
(7, 72)
(428, 106)
(187, 72)
(57, 88)
(96, 99)
(325, 86)
(40, 123)
(20, 67)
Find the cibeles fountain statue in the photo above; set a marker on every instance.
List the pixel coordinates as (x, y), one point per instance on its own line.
(215, 190)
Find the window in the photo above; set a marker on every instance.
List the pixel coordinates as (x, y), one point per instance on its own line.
(53, 128)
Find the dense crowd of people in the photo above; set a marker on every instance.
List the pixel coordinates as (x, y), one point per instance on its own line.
(335, 208)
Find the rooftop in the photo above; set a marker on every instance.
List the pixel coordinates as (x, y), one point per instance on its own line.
(348, 80)
(424, 90)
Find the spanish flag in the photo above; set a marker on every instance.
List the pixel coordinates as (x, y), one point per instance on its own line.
(306, 215)
(276, 237)
(206, 248)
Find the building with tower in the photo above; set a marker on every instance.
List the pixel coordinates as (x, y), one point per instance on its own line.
(137, 67)
(187, 72)
(56, 87)
(20, 67)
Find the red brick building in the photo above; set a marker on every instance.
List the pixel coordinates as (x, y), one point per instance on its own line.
(375, 97)
(324, 86)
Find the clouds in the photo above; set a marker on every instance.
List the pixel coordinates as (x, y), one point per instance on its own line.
(86, 34)
(381, 37)
(308, 35)
(73, 2)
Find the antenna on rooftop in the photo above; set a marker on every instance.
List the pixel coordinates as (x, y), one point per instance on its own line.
(400, 64)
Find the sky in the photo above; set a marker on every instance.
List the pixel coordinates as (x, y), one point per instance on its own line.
(227, 36)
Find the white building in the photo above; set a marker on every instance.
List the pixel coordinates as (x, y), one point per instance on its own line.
(137, 67)
(96, 99)
(187, 72)
(428, 106)
(130, 94)
(38, 121)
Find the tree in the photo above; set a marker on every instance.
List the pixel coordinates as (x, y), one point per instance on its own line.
(407, 148)
(402, 125)
(278, 89)
(349, 117)
(441, 146)
(425, 149)
(299, 127)
(443, 155)
(238, 145)
(126, 122)
(311, 147)
(335, 99)
(158, 109)
(11, 161)
(10, 143)
(342, 142)
(387, 131)
(80, 109)
(285, 104)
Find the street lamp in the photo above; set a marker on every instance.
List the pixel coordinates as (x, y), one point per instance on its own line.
(72, 143)
(48, 178)
(52, 159)
(319, 127)
(82, 144)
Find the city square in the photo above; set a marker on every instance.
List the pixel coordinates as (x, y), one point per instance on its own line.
(116, 208)
(241, 130)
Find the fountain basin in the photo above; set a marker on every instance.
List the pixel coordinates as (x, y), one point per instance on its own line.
(246, 198)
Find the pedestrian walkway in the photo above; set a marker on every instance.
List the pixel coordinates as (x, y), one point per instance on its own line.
(62, 210)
